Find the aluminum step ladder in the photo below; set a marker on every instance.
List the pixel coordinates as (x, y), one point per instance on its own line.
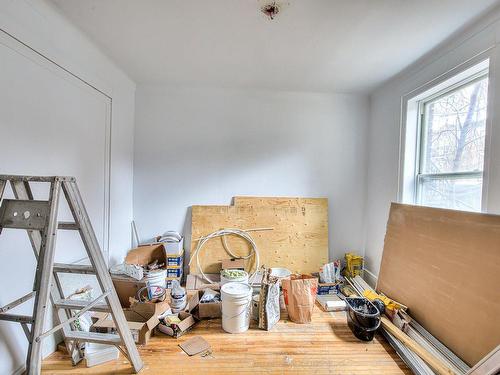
(39, 219)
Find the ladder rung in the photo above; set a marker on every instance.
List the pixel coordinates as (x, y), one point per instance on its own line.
(17, 318)
(9, 177)
(68, 225)
(103, 338)
(78, 305)
(74, 268)
(17, 302)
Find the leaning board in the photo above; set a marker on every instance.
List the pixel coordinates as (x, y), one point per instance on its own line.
(445, 266)
(298, 241)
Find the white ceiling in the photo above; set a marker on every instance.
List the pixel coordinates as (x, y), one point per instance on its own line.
(313, 45)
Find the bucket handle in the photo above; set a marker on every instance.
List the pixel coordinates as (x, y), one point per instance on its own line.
(246, 311)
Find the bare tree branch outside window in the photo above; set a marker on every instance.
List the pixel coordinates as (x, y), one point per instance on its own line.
(453, 132)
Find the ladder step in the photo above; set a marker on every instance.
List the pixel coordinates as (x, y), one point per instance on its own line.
(101, 338)
(16, 318)
(74, 268)
(78, 305)
(67, 225)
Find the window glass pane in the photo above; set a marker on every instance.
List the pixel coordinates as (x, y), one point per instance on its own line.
(459, 194)
(454, 129)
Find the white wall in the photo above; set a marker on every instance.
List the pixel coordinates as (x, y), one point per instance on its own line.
(204, 146)
(385, 122)
(40, 27)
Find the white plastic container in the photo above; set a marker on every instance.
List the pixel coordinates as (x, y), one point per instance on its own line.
(281, 273)
(95, 354)
(236, 303)
(242, 279)
(178, 299)
(156, 283)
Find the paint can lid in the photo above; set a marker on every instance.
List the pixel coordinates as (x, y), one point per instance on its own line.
(236, 290)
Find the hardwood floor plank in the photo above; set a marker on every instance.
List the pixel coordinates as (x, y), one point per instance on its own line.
(326, 346)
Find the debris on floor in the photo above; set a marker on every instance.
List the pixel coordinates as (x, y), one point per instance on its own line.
(196, 345)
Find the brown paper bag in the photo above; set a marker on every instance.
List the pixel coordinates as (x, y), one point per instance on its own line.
(300, 293)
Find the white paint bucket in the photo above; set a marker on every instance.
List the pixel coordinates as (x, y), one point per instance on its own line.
(155, 281)
(236, 302)
(281, 273)
(225, 279)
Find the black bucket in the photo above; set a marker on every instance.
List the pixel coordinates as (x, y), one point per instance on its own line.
(363, 318)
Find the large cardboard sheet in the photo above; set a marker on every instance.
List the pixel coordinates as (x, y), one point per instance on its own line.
(445, 266)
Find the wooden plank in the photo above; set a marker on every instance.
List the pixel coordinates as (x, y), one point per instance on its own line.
(438, 366)
(298, 241)
(325, 346)
(251, 201)
(445, 266)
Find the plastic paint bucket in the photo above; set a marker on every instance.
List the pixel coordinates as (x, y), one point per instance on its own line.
(178, 297)
(363, 318)
(281, 273)
(241, 279)
(155, 281)
(236, 302)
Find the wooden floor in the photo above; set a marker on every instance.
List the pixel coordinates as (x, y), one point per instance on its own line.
(326, 346)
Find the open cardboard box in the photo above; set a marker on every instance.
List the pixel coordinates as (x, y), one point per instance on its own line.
(142, 318)
(126, 287)
(178, 329)
(143, 255)
(210, 310)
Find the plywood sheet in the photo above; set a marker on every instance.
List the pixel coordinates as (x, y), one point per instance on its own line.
(298, 241)
(445, 266)
(280, 202)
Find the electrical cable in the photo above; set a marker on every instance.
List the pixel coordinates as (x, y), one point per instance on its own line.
(223, 233)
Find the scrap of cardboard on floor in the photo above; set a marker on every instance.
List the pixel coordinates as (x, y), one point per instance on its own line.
(195, 345)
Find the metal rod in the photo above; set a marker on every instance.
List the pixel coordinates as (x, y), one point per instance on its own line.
(72, 319)
(26, 330)
(17, 318)
(17, 302)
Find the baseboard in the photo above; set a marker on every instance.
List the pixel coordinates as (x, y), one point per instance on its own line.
(370, 278)
(20, 370)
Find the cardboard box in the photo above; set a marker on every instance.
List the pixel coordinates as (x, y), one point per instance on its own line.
(196, 282)
(331, 302)
(126, 288)
(328, 288)
(211, 310)
(174, 247)
(142, 318)
(233, 264)
(178, 329)
(174, 272)
(175, 259)
(144, 255)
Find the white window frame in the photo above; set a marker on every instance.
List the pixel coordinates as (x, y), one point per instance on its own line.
(411, 126)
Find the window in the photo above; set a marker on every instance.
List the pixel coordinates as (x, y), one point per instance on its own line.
(449, 142)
